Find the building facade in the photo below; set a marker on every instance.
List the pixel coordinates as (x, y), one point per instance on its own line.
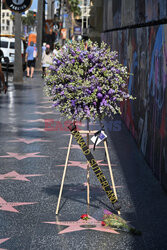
(137, 29)
(7, 26)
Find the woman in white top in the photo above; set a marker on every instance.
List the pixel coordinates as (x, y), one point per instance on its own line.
(47, 59)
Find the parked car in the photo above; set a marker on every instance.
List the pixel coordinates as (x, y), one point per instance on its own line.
(7, 46)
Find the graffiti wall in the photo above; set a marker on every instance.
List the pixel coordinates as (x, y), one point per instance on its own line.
(144, 51)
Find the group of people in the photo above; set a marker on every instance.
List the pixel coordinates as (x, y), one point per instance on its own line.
(47, 58)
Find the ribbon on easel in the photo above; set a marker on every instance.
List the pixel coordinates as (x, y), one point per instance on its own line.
(99, 174)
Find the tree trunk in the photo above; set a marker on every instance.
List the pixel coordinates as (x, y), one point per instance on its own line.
(18, 68)
(39, 33)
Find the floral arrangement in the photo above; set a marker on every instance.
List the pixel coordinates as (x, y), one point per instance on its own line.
(85, 217)
(87, 81)
(116, 222)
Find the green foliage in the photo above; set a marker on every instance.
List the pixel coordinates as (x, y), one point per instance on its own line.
(29, 20)
(74, 6)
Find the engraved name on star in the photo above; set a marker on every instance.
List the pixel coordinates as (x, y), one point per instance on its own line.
(22, 156)
(16, 176)
(9, 206)
(80, 225)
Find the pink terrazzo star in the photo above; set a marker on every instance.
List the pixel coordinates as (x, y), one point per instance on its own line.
(15, 176)
(74, 226)
(43, 113)
(82, 165)
(2, 241)
(34, 129)
(37, 120)
(22, 156)
(45, 107)
(29, 141)
(46, 102)
(9, 206)
(74, 146)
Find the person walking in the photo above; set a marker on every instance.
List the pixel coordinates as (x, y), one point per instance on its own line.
(2, 81)
(31, 54)
(47, 59)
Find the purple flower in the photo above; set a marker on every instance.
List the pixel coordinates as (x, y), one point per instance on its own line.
(111, 91)
(99, 96)
(90, 56)
(62, 93)
(73, 103)
(94, 103)
(91, 70)
(99, 88)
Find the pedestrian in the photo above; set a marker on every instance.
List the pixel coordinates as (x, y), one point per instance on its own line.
(56, 50)
(2, 81)
(31, 55)
(47, 59)
(43, 48)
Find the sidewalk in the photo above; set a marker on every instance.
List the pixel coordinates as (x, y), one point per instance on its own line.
(31, 169)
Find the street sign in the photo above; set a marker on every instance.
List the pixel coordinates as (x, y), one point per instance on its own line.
(18, 5)
(77, 30)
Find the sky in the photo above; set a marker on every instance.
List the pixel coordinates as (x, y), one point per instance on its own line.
(34, 4)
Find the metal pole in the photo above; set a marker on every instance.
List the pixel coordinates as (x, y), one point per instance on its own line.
(18, 68)
(88, 172)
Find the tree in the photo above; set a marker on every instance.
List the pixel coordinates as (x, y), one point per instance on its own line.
(74, 7)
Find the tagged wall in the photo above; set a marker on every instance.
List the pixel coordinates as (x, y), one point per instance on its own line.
(144, 51)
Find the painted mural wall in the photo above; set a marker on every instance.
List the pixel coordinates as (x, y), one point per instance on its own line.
(144, 51)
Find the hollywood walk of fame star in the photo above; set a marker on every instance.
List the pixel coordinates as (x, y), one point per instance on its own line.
(27, 141)
(74, 146)
(44, 113)
(82, 165)
(22, 156)
(16, 176)
(45, 102)
(2, 241)
(37, 120)
(74, 226)
(34, 129)
(9, 206)
(45, 107)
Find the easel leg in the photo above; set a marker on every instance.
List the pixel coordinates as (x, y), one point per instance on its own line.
(64, 173)
(110, 169)
(88, 173)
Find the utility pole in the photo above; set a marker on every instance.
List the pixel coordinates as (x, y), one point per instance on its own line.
(18, 68)
(39, 32)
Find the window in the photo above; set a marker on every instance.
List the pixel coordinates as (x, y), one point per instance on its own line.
(3, 44)
(7, 28)
(12, 45)
(8, 22)
(3, 21)
(7, 14)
